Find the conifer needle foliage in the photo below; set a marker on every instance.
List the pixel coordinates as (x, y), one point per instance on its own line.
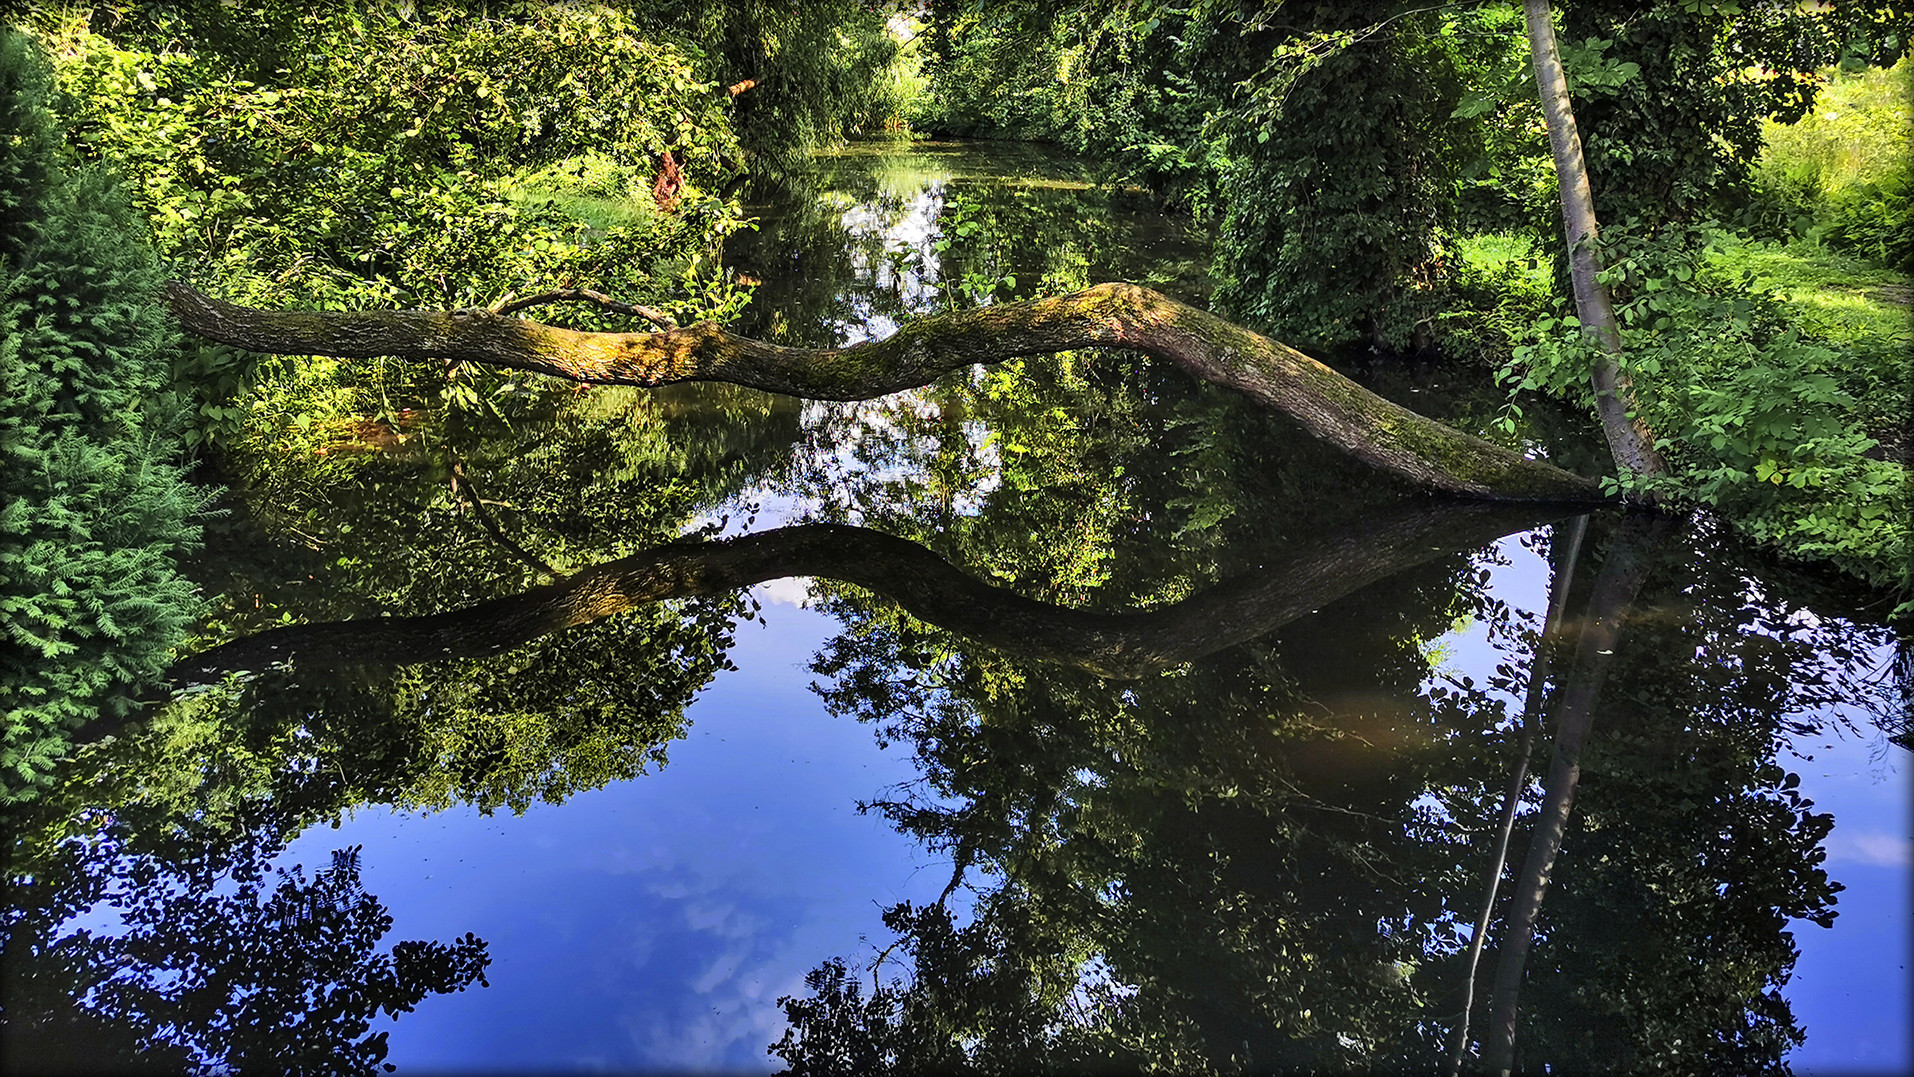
(94, 510)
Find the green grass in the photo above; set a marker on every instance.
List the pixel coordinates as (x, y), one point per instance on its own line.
(1858, 132)
(591, 188)
(1857, 305)
(1492, 250)
(1841, 175)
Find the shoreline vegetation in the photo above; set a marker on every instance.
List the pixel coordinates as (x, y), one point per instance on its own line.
(1764, 298)
(297, 519)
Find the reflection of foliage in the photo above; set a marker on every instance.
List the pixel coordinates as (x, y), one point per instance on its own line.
(210, 960)
(591, 478)
(1146, 912)
(574, 711)
(1265, 859)
(882, 231)
(569, 713)
(93, 509)
(574, 479)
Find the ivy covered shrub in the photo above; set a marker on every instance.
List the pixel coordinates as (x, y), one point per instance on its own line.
(94, 510)
(1341, 185)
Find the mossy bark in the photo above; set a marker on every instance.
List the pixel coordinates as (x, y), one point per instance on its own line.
(1331, 407)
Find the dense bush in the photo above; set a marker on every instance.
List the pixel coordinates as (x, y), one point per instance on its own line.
(1341, 184)
(1751, 411)
(95, 510)
(504, 154)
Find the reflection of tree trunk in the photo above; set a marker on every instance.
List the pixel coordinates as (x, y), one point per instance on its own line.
(1615, 588)
(1331, 407)
(1567, 548)
(1629, 439)
(1129, 644)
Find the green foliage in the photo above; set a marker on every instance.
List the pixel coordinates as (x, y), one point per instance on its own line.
(510, 153)
(1679, 142)
(1858, 307)
(1116, 81)
(1750, 410)
(1344, 149)
(96, 512)
(1323, 135)
(820, 70)
(1841, 173)
(1496, 287)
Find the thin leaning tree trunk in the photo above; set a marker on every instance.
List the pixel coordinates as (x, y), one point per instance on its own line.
(1615, 588)
(1567, 554)
(1629, 440)
(1379, 433)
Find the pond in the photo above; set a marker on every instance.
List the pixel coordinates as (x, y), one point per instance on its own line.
(1071, 712)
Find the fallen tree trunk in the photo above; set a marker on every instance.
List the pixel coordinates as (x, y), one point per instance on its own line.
(1375, 431)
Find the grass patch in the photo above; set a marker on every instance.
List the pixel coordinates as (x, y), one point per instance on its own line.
(1859, 306)
(590, 188)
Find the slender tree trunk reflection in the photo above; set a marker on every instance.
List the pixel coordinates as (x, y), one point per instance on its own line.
(1615, 589)
(1567, 549)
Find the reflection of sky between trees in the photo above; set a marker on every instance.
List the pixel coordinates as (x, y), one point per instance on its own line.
(695, 783)
(423, 911)
(1850, 988)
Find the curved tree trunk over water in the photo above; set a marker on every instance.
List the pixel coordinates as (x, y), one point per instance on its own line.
(1331, 407)
(1125, 644)
(1629, 440)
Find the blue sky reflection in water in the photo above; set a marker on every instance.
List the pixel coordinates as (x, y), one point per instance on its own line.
(655, 923)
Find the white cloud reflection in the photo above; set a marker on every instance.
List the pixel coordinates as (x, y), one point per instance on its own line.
(1872, 848)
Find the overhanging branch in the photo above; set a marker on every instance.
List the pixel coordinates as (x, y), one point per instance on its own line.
(1375, 431)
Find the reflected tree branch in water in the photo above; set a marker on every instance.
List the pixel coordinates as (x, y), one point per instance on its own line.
(1568, 549)
(1329, 406)
(1620, 579)
(464, 488)
(1131, 644)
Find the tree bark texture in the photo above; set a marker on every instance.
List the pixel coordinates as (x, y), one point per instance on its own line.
(1124, 644)
(1329, 406)
(1627, 562)
(1629, 440)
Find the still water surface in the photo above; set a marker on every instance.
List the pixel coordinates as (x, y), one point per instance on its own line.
(1266, 851)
